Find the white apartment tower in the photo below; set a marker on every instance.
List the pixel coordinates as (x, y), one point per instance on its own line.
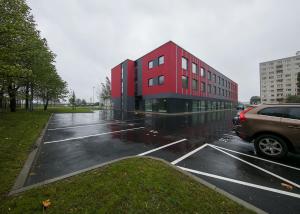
(278, 78)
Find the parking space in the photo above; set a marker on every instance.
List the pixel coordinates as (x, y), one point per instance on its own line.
(201, 144)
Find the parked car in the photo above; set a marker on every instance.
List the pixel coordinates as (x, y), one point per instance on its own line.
(274, 129)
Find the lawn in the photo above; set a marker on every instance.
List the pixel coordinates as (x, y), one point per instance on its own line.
(18, 133)
(137, 185)
(68, 109)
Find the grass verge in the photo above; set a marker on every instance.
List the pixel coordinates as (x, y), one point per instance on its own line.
(18, 133)
(69, 110)
(137, 185)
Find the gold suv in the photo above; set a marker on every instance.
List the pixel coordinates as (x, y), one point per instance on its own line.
(274, 129)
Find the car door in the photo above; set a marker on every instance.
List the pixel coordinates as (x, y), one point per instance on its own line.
(291, 126)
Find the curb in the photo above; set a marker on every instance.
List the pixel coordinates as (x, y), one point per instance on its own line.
(21, 179)
(200, 180)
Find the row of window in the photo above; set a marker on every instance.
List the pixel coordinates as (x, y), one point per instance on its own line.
(161, 81)
(210, 76)
(210, 88)
(161, 60)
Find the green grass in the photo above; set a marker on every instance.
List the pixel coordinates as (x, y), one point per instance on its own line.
(136, 185)
(18, 132)
(68, 109)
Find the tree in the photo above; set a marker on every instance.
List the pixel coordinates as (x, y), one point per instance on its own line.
(254, 100)
(72, 100)
(16, 33)
(26, 63)
(106, 90)
(83, 102)
(293, 99)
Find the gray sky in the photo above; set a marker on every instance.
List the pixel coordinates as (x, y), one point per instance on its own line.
(233, 36)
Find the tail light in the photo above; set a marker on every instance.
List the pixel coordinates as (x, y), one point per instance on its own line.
(242, 114)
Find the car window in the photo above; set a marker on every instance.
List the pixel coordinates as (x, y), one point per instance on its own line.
(274, 111)
(294, 113)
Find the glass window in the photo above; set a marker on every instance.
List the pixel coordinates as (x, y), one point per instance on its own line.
(209, 75)
(194, 68)
(150, 82)
(215, 77)
(184, 63)
(203, 86)
(150, 64)
(202, 72)
(219, 91)
(274, 111)
(219, 80)
(195, 84)
(161, 80)
(294, 113)
(215, 90)
(222, 81)
(185, 82)
(209, 88)
(161, 60)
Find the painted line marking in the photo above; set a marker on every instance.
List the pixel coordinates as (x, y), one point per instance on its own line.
(74, 127)
(87, 136)
(188, 154)
(161, 147)
(257, 167)
(241, 182)
(251, 156)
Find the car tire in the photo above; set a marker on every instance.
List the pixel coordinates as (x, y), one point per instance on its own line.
(272, 146)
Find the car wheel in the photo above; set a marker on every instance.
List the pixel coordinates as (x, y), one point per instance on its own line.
(271, 146)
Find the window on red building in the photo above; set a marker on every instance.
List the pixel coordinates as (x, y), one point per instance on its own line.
(161, 60)
(194, 68)
(184, 63)
(150, 82)
(161, 80)
(195, 85)
(185, 82)
(150, 64)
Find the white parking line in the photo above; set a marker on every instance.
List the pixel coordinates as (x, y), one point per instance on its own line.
(251, 156)
(188, 154)
(87, 136)
(161, 147)
(241, 182)
(257, 167)
(74, 127)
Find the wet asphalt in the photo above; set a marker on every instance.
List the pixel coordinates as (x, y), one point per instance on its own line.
(76, 141)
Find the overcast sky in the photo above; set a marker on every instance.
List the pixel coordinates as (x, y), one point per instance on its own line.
(233, 36)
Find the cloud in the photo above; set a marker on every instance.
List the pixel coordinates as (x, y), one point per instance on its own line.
(90, 37)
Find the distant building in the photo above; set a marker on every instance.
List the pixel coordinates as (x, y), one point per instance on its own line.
(170, 79)
(278, 78)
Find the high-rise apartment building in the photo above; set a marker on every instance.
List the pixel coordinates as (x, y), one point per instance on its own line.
(170, 79)
(278, 78)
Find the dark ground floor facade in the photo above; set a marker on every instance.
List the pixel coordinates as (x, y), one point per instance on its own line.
(172, 104)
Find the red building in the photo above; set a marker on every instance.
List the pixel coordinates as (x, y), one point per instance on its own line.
(170, 79)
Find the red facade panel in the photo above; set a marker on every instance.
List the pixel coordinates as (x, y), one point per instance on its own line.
(116, 81)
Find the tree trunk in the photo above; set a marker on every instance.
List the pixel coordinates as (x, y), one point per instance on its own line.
(31, 97)
(27, 97)
(12, 98)
(46, 104)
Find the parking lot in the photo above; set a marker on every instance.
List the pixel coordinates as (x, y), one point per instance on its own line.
(202, 144)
